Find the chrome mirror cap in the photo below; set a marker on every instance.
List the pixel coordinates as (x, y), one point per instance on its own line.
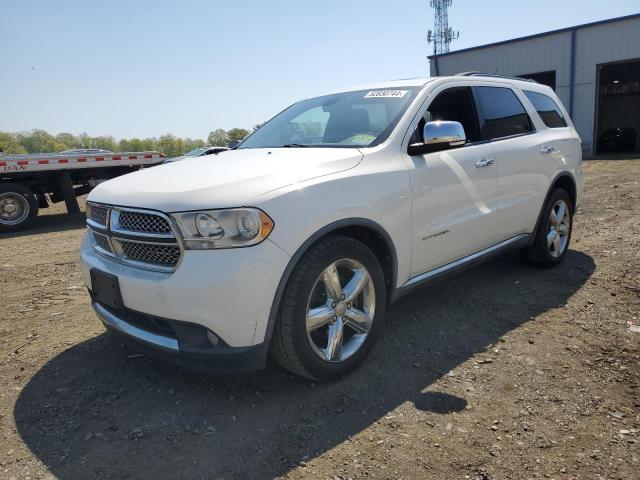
(444, 132)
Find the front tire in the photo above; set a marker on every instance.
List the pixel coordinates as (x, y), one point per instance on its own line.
(553, 235)
(18, 207)
(332, 310)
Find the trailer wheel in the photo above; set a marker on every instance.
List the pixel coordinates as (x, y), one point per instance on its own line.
(18, 207)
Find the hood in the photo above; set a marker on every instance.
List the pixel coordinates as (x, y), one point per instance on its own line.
(231, 179)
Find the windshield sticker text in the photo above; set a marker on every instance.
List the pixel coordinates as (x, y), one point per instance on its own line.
(386, 93)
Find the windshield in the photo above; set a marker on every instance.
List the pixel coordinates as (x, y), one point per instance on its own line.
(195, 152)
(361, 118)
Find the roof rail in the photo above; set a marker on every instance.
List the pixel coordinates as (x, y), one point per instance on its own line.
(494, 75)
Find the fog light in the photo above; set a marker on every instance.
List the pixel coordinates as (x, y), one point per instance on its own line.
(213, 338)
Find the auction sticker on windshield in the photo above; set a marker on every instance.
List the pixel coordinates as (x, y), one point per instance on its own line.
(386, 93)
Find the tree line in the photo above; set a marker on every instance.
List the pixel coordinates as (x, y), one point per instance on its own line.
(41, 141)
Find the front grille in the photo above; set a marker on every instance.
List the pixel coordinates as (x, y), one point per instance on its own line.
(143, 222)
(102, 242)
(141, 238)
(163, 255)
(98, 214)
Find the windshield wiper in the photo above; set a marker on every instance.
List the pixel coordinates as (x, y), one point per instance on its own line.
(293, 145)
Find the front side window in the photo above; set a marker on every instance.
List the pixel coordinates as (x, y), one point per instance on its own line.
(453, 104)
(502, 113)
(360, 118)
(547, 108)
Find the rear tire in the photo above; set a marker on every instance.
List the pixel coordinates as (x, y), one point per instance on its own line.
(332, 310)
(553, 235)
(18, 207)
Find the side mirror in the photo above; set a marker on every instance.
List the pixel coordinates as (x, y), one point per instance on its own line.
(233, 143)
(439, 135)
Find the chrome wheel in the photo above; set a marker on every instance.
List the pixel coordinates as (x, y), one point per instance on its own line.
(14, 208)
(340, 310)
(559, 228)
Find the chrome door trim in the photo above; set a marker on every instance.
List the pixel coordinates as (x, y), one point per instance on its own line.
(121, 326)
(463, 261)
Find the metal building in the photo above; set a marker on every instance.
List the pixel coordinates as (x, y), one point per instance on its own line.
(594, 68)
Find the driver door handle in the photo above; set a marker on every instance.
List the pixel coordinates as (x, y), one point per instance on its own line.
(485, 162)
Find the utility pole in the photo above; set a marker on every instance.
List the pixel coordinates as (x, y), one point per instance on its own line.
(442, 34)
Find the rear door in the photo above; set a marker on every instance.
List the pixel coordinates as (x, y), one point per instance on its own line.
(522, 181)
(453, 190)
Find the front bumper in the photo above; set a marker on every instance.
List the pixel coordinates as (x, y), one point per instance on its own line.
(228, 292)
(187, 346)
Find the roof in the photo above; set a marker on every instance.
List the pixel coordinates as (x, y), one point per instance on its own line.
(405, 82)
(537, 35)
(521, 83)
(420, 82)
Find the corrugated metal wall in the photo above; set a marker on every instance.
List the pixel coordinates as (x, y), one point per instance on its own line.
(611, 42)
(595, 45)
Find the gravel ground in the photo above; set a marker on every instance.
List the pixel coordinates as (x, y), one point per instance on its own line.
(503, 372)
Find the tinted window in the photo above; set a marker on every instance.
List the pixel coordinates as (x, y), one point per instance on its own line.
(502, 113)
(548, 110)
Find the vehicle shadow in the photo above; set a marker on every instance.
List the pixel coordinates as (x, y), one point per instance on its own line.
(56, 222)
(98, 408)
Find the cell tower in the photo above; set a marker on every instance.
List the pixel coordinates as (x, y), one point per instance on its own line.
(442, 34)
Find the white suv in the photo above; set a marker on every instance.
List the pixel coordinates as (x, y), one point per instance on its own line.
(295, 241)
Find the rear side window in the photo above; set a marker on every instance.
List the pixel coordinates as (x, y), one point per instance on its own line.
(502, 113)
(548, 110)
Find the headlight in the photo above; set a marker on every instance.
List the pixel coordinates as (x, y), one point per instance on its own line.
(236, 227)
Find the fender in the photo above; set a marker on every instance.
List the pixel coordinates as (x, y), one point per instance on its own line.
(348, 222)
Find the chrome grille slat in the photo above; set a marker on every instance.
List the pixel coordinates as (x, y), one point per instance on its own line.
(98, 214)
(140, 238)
(143, 222)
(102, 241)
(157, 254)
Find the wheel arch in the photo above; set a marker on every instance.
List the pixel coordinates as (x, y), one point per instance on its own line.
(565, 181)
(367, 231)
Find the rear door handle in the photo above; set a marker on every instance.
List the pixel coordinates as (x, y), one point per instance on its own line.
(485, 162)
(547, 150)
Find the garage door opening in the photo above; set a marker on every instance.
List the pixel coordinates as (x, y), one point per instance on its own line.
(618, 117)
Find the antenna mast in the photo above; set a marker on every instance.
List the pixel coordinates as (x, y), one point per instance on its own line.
(442, 34)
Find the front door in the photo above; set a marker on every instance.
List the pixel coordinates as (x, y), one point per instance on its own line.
(454, 191)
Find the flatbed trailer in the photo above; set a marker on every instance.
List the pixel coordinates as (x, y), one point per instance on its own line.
(30, 182)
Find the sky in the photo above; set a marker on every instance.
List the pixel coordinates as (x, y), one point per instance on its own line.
(145, 68)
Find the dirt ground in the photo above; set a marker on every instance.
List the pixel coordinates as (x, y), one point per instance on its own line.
(506, 371)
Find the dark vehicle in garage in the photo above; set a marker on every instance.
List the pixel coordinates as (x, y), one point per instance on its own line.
(617, 140)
